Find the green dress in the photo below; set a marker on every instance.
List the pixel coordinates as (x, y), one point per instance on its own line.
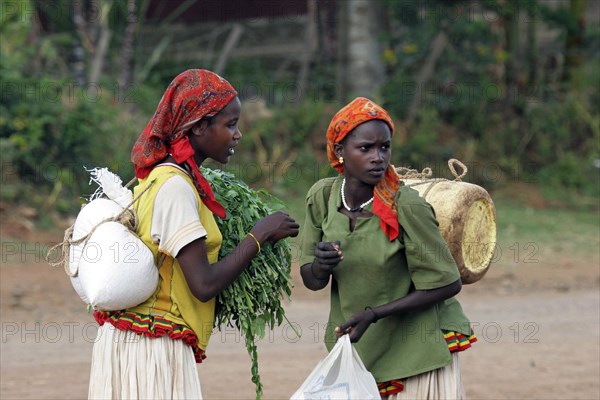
(375, 271)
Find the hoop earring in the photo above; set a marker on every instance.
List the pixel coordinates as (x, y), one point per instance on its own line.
(341, 160)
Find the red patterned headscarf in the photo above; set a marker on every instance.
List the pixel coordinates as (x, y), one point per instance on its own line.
(358, 111)
(193, 95)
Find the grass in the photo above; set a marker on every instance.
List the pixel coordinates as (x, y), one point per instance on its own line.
(529, 237)
(564, 230)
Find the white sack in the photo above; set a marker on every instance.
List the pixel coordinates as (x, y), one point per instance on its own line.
(90, 215)
(116, 269)
(341, 375)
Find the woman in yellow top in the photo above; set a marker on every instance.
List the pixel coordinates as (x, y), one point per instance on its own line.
(150, 351)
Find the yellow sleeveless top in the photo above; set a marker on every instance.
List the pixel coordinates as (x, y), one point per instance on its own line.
(172, 309)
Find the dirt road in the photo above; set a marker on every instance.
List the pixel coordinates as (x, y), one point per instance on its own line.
(537, 324)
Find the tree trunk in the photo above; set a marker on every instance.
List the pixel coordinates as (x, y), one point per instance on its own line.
(510, 18)
(127, 50)
(232, 40)
(532, 49)
(311, 46)
(81, 44)
(102, 45)
(360, 64)
(437, 49)
(573, 53)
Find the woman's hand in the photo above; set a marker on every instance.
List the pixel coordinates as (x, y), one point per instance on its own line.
(206, 282)
(327, 256)
(357, 325)
(315, 275)
(414, 301)
(274, 227)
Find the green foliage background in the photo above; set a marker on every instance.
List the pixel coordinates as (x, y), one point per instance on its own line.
(539, 132)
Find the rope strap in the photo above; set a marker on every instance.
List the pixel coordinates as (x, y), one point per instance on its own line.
(407, 173)
(127, 217)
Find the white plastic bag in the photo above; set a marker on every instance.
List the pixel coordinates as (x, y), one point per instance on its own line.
(340, 375)
(113, 269)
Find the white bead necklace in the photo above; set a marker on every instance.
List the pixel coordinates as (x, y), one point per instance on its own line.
(359, 208)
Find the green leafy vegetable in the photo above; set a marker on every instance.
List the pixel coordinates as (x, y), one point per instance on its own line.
(253, 301)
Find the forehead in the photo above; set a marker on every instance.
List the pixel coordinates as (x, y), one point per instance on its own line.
(232, 109)
(371, 130)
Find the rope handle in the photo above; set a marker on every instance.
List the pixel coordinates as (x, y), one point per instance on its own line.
(451, 163)
(407, 173)
(127, 217)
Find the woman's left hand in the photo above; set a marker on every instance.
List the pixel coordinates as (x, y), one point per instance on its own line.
(356, 326)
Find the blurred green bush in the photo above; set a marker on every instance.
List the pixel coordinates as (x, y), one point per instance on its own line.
(51, 128)
(545, 134)
(511, 119)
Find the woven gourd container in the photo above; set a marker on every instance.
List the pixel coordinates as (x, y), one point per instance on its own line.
(467, 219)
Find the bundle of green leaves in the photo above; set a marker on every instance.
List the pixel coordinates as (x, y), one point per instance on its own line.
(253, 301)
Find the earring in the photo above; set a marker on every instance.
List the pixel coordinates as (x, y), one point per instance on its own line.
(341, 160)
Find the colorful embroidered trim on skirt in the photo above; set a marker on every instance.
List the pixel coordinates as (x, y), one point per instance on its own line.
(456, 342)
(390, 387)
(151, 326)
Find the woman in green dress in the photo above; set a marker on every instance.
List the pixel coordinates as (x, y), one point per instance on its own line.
(392, 276)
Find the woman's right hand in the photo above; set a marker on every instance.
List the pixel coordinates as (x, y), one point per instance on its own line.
(274, 227)
(327, 256)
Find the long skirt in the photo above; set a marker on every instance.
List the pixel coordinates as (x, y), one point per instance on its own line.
(129, 366)
(441, 383)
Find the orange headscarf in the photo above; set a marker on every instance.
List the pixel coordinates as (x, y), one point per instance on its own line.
(358, 111)
(191, 96)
